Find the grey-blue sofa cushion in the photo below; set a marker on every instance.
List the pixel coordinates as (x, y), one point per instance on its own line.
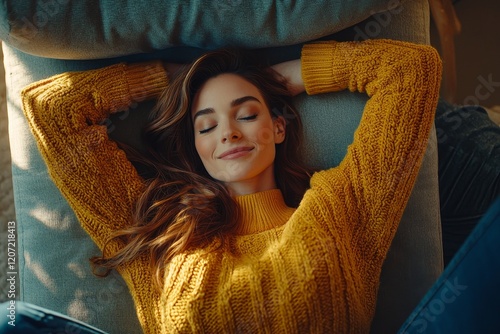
(68, 29)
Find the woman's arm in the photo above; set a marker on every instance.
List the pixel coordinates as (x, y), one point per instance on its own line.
(65, 113)
(369, 190)
(291, 72)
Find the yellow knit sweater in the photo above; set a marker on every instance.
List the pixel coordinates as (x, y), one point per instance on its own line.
(315, 268)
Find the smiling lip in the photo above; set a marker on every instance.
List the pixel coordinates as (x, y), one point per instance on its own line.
(235, 153)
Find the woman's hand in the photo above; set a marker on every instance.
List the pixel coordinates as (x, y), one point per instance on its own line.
(291, 71)
(172, 68)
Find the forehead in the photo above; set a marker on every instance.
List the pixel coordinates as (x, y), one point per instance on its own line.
(220, 91)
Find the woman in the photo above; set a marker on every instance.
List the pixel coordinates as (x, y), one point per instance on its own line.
(225, 237)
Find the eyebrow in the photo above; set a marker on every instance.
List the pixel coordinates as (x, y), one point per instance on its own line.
(234, 103)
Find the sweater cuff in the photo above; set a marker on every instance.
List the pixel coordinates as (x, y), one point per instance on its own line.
(323, 67)
(146, 80)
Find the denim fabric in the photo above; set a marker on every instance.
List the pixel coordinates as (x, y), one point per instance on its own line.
(24, 318)
(466, 298)
(469, 170)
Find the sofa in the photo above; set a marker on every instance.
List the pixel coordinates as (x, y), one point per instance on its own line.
(46, 37)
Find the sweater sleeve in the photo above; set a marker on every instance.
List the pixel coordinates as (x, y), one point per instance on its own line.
(66, 114)
(368, 191)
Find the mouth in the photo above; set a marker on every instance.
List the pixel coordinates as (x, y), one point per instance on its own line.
(235, 153)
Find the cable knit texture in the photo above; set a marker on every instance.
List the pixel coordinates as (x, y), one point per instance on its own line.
(311, 269)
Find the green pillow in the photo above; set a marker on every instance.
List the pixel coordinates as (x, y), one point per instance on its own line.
(100, 29)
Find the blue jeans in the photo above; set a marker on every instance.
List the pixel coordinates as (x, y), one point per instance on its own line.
(466, 297)
(23, 318)
(469, 170)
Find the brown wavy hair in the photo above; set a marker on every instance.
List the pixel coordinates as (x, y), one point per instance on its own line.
(182, 206)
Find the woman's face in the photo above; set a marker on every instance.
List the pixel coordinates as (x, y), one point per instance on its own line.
(235, 135)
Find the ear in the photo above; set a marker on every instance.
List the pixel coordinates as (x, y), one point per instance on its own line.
(279, 129)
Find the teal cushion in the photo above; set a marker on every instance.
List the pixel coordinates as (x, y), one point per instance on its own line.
(90, 29)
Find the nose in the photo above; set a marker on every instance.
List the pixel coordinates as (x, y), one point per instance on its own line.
(230, 133)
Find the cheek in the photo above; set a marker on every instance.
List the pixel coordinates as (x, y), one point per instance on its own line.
(204, 148)
(264, 135)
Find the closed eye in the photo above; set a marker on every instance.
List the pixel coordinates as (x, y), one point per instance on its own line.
(248, 118)
(207, 130)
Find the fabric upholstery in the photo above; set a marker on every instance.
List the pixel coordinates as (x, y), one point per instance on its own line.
(88, 30)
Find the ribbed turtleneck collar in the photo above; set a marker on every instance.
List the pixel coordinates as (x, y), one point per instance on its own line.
(262, 211)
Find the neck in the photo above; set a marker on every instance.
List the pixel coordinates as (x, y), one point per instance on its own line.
(263, 182)
(262, 211)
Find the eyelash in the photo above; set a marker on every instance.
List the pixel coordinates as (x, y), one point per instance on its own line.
(248, 118)
(206, 130)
